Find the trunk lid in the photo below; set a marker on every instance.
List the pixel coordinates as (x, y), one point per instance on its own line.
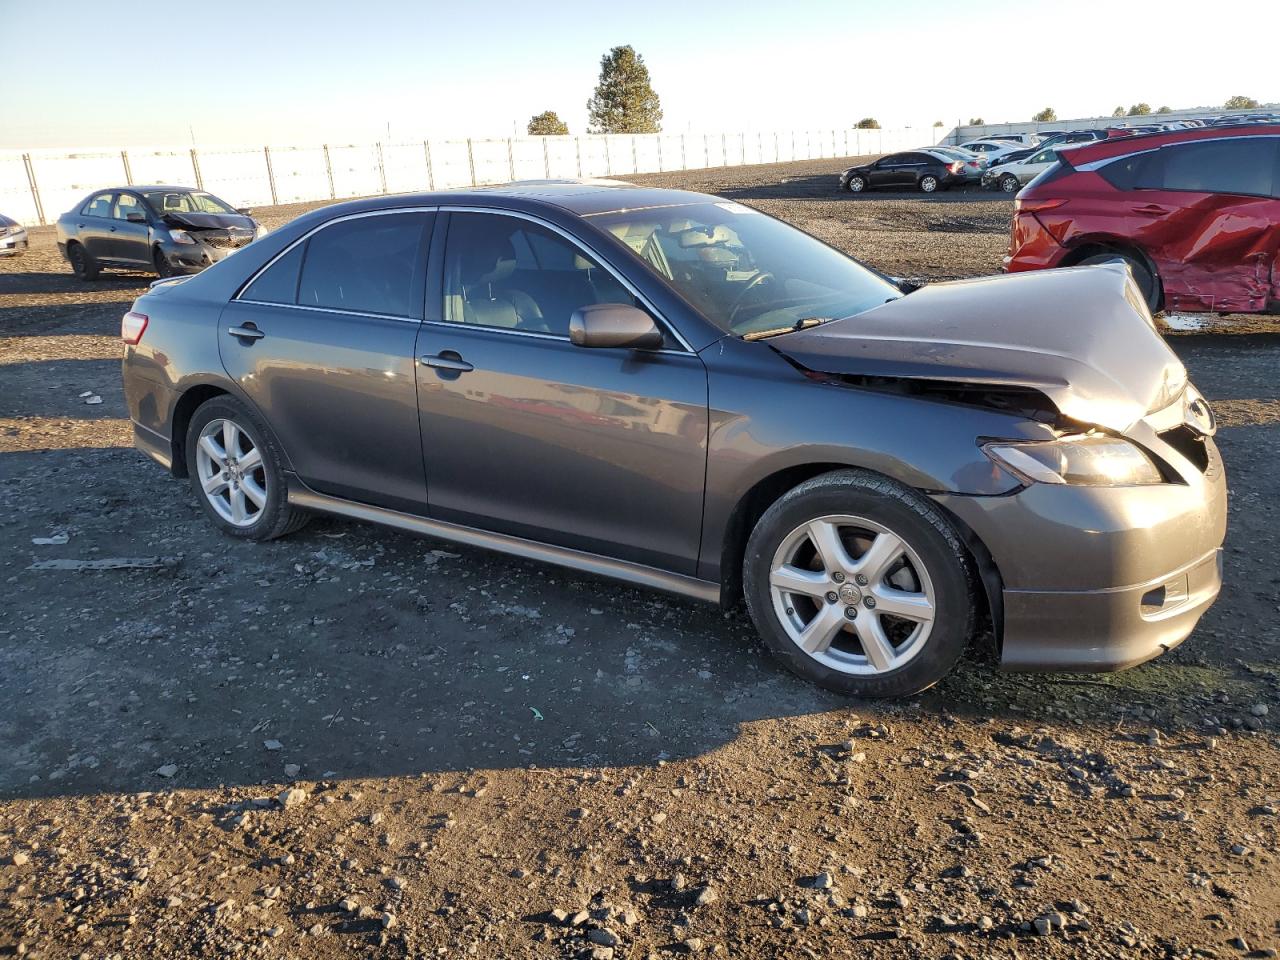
(1081, 336)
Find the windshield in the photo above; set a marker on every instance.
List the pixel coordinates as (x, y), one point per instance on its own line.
(747, 272)
(174, 201)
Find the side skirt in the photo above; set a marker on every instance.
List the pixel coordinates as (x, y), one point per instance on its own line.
(633, 573)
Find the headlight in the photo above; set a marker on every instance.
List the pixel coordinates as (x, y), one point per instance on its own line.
(181, 236)
(1087, 460)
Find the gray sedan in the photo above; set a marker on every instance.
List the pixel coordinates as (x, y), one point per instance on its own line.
(679, 392)
(13, 237)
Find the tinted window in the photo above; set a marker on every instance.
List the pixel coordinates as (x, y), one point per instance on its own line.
(366, 265)
(514, 274)
(99, 206)
(1044, 156)
(127, 203)
(1240, 165)
(279, 282)
(893, 158)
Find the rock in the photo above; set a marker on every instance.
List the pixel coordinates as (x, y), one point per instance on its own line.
(603, 937)
(167, 771)
(292, 797)
(558, 915)
(706, 895)
(292, 769)
(20, 859)
(273, 744)
(900, 900)
(821, 881)
(348, 905)
(985, 923)
(397, 883)
(1042, 926)
(579, 918)
(273, 931)
(1259, 710)
(388, 919)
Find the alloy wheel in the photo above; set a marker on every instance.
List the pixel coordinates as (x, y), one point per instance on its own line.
(231, 472)
(1008, 183)
(856, 184)
(929, 184)
(852, 594)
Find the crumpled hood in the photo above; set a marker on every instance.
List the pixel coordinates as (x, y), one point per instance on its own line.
(1082, 336)
(209, 221)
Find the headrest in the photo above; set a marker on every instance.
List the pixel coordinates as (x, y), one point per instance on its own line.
(701, 237)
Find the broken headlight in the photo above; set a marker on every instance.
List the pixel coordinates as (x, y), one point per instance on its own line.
(1088, 460)
(181, 236)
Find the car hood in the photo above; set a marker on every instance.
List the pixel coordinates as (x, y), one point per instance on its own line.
(209, 221)
(1081, 336)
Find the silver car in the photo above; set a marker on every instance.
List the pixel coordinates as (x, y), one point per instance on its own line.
(13, 237)
(1012, 177)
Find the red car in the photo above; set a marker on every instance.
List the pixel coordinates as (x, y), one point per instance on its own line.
(1195, 213)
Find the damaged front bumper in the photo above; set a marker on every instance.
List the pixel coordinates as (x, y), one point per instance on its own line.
(1102, 578)
(194, 257)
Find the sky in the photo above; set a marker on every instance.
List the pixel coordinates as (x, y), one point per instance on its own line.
(290, 72)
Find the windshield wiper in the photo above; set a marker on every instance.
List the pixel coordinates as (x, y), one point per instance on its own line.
(802, 324)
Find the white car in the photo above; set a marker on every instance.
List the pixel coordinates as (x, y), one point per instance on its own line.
(1025, 139)
(992, 149)
(1012, 177)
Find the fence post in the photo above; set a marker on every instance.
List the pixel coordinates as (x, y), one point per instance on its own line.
(382, 169)
(684, 159)
(31, 181)
(546, 160)
(195, 166)
(577, 149)
(328, 169)
(742, 142)
(128, 174)
(471, 162)
(511, 157)
(658, 140)
(635, 158)
(706, 150)
(426, 152)
(724, 148)
(608, 162)
(776, 154)
(759, 147)
(271, 177)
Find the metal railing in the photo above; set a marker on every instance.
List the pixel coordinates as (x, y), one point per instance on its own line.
(36, 186)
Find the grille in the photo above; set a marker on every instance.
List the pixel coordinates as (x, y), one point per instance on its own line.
(217, 240)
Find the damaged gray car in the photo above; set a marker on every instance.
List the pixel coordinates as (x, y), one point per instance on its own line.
(679, 392)
(170, 230)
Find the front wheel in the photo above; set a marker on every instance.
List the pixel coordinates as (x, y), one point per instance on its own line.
(928, 183)
(860, 585)
(856, 184)
(1009, 183)
(163, 267)
(237, 473)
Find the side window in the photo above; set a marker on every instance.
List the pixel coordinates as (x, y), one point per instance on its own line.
(1044, 156)
(510, 273)
(1244, 165)
(890, 161)
(279, 282)
(1139, 171)
(127, 203)
(369, 264)
(99, 206)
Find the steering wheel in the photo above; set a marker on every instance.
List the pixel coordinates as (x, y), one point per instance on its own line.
(754, 282)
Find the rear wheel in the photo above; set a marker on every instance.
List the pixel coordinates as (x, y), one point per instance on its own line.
(860, 585)
(928, 183)
(82, 265)
(237, 473)
(1146, 280)
(1009, 183)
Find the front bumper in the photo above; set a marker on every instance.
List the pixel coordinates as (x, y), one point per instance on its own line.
(194, 257)
(1097, 578)
(14, 244)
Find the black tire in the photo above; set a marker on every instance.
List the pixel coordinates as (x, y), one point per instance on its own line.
(1148, 282)
(929, 183)
(1009, 183)
(276, 518)
(82, 264)
(859, 186)
(163, 267)
(921, 525)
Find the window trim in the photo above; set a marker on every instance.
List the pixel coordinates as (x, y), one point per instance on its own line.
(580, 244)
(239, 298)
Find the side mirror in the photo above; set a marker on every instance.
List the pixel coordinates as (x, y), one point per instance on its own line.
(614, 325)
(136, 217)
(244, 210)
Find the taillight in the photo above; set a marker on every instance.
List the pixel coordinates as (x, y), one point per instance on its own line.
(132, 326)
(974, 163)
(956, 166)
(1036, 206)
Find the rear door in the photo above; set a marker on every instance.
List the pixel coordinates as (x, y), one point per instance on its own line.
(321, 341)
(95, 226)
(1208, 214)
(130, 239)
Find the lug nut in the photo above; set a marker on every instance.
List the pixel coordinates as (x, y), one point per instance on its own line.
(861, 579)
(850, 613)
(870, 602)
(838, 577)
(831, 597)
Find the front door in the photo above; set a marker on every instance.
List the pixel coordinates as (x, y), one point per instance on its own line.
(596, 449)
(130, 239)
(322, 342)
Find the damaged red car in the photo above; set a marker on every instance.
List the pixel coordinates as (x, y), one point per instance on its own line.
(1194, 213)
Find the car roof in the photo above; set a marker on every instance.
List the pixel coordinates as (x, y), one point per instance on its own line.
(1120, 146)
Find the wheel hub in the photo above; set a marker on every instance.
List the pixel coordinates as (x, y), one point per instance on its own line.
(849, 593)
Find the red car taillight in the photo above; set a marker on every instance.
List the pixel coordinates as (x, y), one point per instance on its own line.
(133, 326)
(1036, 206)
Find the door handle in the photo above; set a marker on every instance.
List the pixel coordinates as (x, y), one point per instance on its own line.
(113, 229)
(447, 360)
(246, 332)
(1151, 210)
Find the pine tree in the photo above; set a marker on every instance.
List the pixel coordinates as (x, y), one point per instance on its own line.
(624, 102)
(1046, 115)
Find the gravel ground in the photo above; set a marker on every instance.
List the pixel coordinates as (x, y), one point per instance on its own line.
(358, 743)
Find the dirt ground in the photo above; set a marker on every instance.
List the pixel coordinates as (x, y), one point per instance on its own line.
(354, 742)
